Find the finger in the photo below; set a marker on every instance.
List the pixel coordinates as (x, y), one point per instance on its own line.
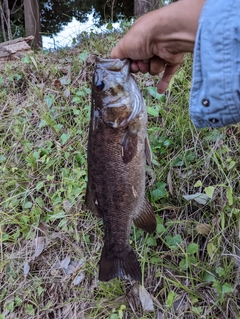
(166, 78)
(143, 66)
(156, 65)
(134, 67)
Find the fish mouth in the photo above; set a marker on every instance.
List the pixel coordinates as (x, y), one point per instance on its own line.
(113, 64)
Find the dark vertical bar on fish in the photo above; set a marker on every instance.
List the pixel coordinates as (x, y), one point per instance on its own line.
(117, 151)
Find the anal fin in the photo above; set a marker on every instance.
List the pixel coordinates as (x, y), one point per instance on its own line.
(146, 219)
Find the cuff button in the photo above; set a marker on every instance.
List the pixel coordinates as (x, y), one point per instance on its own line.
(214, 120)
(205, 102)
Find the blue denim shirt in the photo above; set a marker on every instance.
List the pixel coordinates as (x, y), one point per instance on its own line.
(215, 93)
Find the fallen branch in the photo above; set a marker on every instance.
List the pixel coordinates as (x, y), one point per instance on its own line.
(15, 49)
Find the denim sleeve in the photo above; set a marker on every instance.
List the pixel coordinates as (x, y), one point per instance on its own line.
(215, 93)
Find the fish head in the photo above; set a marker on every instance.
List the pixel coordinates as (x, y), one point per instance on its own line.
(115, 92)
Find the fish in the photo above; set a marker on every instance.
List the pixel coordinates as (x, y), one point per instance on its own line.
(118, 149)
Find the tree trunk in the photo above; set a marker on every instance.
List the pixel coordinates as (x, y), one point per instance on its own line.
(5, 20)
(144, 6)
(32, 22)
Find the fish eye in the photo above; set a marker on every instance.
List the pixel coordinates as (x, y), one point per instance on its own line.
(100, 86)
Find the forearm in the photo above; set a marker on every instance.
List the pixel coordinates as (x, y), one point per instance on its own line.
(172, 28)
(177, 26)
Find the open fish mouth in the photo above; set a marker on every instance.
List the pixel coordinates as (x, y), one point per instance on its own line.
(113, 64)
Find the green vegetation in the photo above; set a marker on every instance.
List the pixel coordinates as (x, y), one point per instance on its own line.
(50, 244)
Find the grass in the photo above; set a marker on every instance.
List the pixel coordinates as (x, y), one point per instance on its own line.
(50, 244)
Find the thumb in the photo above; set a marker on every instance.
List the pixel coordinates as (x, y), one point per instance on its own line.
(118, 52)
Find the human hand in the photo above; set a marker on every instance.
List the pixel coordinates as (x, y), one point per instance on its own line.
(157, 66)
(158, 40)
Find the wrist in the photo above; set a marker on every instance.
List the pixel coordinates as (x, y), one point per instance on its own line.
(178, 25)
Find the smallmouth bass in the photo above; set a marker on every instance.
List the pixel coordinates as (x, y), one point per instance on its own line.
(117, 151)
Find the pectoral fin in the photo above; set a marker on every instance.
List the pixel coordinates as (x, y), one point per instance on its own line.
(129, 144)
(145, 218)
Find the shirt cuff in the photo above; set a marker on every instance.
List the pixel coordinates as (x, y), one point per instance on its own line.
(215, 93)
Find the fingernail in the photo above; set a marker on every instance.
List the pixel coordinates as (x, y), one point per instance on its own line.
(160, 88)
(134, 69)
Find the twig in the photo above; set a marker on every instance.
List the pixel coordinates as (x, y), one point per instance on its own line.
(13, 7)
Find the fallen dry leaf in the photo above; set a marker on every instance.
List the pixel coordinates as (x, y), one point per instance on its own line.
(67, 92)
(78, 279)
(65, 262)
(26, 269)
(183, 174)
(146, 299)
(57, 84)
(39, 243)
(160, 314)
(43, 227)
(203, 229)
(200, 198)
(65, 80)
(71, 268)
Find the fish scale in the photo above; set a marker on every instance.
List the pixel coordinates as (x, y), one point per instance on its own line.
(117, 151)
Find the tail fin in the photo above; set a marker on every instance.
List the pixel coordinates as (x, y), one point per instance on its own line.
(124, 265)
